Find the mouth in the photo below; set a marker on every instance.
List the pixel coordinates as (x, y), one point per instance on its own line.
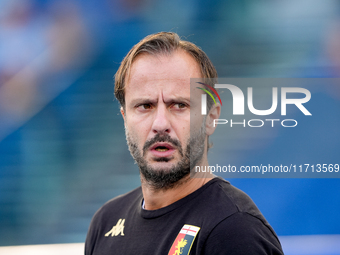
(162, 149)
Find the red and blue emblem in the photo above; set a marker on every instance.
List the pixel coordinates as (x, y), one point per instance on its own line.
(184, 240)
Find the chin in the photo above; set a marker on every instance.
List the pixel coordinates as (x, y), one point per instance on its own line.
(162, 166)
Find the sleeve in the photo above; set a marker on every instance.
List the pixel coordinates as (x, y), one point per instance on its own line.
(90, 240)
(242, 233)
(92, 234)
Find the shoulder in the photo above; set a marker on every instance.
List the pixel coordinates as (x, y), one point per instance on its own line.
(103, 217)
(239, 201)
(230, 199)
(116, 206)
(237, 198)
(238, 226)
(242, 233)
(124, 199)
(220, 201)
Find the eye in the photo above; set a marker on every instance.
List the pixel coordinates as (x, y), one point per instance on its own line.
(180, 106)
(144, 107)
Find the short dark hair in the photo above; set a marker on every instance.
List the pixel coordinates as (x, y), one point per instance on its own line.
(160, 43)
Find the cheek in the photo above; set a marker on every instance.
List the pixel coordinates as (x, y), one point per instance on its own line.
(140, 123)
(196, 123)
(183, 133)
(137, 132)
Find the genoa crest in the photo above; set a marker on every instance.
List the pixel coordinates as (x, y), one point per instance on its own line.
(184, 240)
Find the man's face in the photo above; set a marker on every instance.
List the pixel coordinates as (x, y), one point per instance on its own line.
(157, 117)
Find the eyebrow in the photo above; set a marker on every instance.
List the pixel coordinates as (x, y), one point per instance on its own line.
(137, 101)
(142, 101)
(178, 99)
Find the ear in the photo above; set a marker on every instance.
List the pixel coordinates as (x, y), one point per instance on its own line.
(122, 112)
(213, 114)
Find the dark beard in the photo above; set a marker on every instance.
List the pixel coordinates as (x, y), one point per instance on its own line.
(158, 178)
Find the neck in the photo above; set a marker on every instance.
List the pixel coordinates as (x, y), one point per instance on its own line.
(157, 198)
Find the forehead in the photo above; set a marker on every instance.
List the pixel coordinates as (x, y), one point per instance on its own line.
(168, 72)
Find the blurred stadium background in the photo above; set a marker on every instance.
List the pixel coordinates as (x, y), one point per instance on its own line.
(62, 144)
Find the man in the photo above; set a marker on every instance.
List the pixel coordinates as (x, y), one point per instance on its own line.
(173, 212)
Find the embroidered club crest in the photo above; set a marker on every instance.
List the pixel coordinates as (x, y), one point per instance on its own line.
(184, 240)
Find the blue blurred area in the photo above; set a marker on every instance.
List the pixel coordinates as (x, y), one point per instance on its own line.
(62, 143)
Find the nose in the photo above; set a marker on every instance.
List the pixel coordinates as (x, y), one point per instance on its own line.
(161, 122)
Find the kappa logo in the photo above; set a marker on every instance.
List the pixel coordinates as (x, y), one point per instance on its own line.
(184, 240)
(118, 229)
